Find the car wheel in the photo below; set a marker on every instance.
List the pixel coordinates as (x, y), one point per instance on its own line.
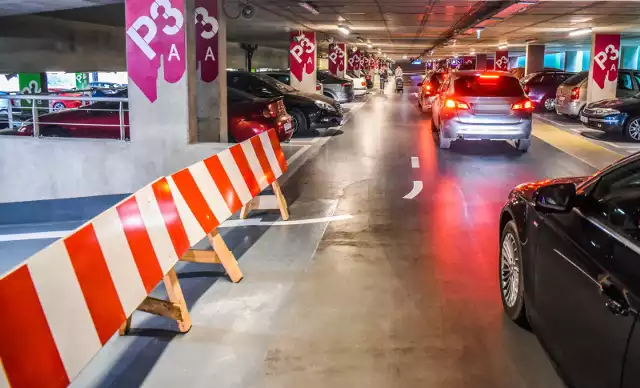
(549, 104)
(523, 144)
(58, 106)
(299, 121)
(54, 132)
(511, 275)
(632, 129)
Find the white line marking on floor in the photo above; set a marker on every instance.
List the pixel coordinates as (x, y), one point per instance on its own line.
(298, 154)
(415, 162)
(34, 236)
(417, 188)
(259, 222)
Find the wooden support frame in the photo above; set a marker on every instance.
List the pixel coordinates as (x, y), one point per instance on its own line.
(268, 202)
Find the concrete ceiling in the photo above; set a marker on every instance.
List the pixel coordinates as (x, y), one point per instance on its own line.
(23, 7)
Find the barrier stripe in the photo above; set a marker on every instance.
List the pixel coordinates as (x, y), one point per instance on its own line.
(254, 163)
(210, 191)
(64, 307)
(237, 151)
(139, 243)
(195, 200)
(171, 217)
(95, 281)
(27, 349)
(236, 176)
(119, 260)
(268, 175)
(271, 156)
(275, 146)
(223, 183)
(191, 225)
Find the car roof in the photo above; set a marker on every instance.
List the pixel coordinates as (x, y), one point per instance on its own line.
(477, 72)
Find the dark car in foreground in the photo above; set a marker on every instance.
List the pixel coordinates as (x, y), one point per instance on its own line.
(475, 105)
(617, 115)
(308, 110)
(569, 268)
(541, 87)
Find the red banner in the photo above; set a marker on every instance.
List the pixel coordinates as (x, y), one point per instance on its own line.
(502, 61)
(606, 59)
(155, 37)
(302, 54)
(468, 63)
(207, 39)
(336, 57)
(355, 61)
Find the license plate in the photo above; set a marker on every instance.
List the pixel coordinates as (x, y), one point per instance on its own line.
(584, 119)
(287, 127)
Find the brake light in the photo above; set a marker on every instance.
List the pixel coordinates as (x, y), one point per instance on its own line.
(489, 76)
(318, 87)
(575, 93)
(523, 105)
(527, 89)
(270, 111)
(453, 104)
(364, 83)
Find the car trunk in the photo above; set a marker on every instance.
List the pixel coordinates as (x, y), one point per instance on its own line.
(489, 110)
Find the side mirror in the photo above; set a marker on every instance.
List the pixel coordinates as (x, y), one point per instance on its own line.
(555, 198)
(419, 84)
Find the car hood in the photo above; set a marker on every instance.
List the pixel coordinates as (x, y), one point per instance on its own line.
(526, 190)
(616, 103)
(311, 96)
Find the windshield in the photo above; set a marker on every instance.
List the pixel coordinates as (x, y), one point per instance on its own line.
(279, 86)
(576, 79)
(527, 78)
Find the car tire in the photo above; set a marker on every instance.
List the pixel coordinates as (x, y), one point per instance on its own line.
(548, 104)
(632, 129)
(54, 132)
(510, 275)
(523, 145)
(299, 122)
(58, 106)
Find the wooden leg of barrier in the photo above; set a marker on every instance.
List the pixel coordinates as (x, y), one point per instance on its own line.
(225, 256)
(175, 296)
(201, 256)
(282, 202)
(245, 210)
(124, 329)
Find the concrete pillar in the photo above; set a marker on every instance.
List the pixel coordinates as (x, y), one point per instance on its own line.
(630, 57)
(481, 61)
(534, 58)
(571, 61)
(603, 67)
(513, 62)
(302, 60)
(502, 60)
(337, 62)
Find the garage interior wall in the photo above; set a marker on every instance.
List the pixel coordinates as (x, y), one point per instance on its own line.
(273, 58)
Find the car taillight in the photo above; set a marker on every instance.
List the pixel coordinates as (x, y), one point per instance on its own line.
(271, 110)
(575, 93)
(453, 104)
(527, 89)
(427, 88)
(318, 87)
(364, 83)
(523, 105)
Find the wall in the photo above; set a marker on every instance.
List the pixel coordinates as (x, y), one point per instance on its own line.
(555, 61)
(263, 57)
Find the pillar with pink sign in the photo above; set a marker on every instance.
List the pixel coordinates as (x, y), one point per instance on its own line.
(502, 60)
(337, 59)
(302, 60)
(603, 69)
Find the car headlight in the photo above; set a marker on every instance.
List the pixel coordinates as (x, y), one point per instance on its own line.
(606, 111)
(324, 106)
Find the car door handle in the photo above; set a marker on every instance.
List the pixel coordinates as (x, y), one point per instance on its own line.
(616, 301)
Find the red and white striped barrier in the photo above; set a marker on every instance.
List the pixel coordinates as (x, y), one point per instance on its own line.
(65, 302)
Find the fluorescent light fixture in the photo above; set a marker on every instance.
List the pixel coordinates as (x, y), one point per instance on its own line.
(582, 31)
(404, 57)
(527, 2)
(503, 47)
(473, 53)
(369, 45)
(309, 6)
(344, 29)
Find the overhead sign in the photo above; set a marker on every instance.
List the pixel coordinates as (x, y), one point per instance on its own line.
(502, 60)
(206, 19)
(603, 73)
(337, 56)
(155, 38)
(33, 83)
(302, 60)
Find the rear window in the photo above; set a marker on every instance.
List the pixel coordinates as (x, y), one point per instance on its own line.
(576, 79)
(476, 86)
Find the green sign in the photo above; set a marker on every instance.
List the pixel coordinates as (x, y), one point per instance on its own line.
(82, 81)
(33, 83)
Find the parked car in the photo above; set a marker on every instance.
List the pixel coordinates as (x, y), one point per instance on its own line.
(571, 96)
(428, 88)
(247, 116)
(541, 87)
(308, 110)
(105, 89)
(519, 71)
(340, 89)
(568, 269)
(285, 77)
(489, 105)
(616, 115)
(359, 83)
(57, 105)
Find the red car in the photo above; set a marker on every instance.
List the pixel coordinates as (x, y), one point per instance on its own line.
(57, 105)
(248, 116)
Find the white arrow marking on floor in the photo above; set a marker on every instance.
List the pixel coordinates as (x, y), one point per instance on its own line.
(417, 188)
(415, 162)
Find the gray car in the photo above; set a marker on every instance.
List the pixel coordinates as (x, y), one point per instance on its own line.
(475, 105)
(340, 89)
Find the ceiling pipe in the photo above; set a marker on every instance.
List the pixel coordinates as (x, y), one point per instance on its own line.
(485, 10)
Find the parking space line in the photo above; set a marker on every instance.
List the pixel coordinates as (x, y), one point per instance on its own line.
(415, 162)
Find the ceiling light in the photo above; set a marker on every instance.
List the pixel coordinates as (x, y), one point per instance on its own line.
(404, 57)
(309, 6)
(360, 39)
(527, 2)
(344, 29)
(369, 45)
(473, 53)
(532, 40)
(582, 31)
(503, 47)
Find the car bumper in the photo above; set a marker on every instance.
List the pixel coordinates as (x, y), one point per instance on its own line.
(427, 101)
(454, 129)
(343, 97)
(613, 123)
(570, 108)
(326, 119)
(360, 92)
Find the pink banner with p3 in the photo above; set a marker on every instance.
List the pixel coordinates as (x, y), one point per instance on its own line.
(302, 54)
(155, 38)
(606, 59)
(206, 18)
(502, 61)
(336, 58)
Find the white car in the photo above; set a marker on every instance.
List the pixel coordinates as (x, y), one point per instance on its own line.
(359, 84)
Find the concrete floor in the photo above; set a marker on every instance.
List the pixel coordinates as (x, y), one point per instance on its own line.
(404, 294)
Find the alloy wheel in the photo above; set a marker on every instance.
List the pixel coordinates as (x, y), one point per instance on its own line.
(295, 124)
(550, 104)
(509, 270)
(634, 129)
